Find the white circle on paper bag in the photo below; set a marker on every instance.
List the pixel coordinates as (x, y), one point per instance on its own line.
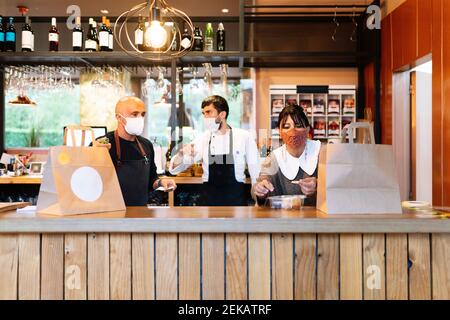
(86, 183)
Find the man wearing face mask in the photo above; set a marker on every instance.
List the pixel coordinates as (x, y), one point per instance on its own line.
(133, 155)
(225, 153)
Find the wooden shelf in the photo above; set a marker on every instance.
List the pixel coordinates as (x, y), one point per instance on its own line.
(232, 58)
(83, 58)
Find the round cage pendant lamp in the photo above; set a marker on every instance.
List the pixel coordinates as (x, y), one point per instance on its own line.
(162, 36)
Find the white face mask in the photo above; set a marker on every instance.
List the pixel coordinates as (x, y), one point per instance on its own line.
(210, 124)
(134, 126)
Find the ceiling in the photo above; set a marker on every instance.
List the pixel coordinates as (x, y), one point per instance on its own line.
(197, 8)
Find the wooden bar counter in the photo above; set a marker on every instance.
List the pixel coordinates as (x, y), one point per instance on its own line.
(224, 253)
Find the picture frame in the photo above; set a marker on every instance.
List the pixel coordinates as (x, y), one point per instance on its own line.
(36, 168)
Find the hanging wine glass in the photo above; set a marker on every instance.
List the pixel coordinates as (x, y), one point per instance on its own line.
(179, 86)
(208, 78)
(224, 78)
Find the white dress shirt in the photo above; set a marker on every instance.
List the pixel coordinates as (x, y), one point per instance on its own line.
(245, 153)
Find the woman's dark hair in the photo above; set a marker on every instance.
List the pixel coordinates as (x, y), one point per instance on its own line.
(296, 113)
(219, 103)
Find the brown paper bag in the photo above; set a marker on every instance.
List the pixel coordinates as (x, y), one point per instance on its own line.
(357, 178)
(79, 180)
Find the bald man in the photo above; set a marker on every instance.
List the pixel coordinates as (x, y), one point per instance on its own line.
(133, 155)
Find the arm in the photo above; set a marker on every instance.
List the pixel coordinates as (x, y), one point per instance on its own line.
(186, 156)
(264, 184)
(252, 157)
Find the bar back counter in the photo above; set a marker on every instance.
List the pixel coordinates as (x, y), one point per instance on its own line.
(224, 253)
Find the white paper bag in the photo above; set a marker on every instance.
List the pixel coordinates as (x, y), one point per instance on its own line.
(357, 178)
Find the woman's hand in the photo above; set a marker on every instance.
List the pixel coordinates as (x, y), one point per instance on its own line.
(308, 186)
(263, 188)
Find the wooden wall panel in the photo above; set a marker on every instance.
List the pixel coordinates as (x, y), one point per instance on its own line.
(438, 89)
(409, 32)
(236, 266)
(374, 266)
(29, 267)
(143, 266)
(386, 81)
(52, 271)
(75, 267)
(420, 271)
(396, 267)
(189, 266)
(328, 267)
(424, 27)
(398, 34)
(120, 266)
(259, 275)
(98, 266)
(166, 266)
(351, 263)
(9, 253)
(441, 266)
(282, 267)
(445, 103)
(305, 267)
(213, 265)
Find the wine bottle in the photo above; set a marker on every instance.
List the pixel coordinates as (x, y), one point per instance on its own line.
(209, 38)
(27, 36)
(77, 35)
(95, 35)
(186, 40)
(104, 36)
(139, 34)
(220, 42)
(2, 35)
(10, 36)
(111, 36)
(53, 37)
(32, 37)
(91, 42)
(198, 40)
(175, 40)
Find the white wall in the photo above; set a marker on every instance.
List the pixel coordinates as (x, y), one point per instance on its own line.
(401, 115)
(424, 137)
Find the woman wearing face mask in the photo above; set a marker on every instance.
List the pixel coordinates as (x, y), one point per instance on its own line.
(224, 153)
(292, 168)
(133, 155)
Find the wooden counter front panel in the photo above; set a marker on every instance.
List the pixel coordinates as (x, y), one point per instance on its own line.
(225, 266)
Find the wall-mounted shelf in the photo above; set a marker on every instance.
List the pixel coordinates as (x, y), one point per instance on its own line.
(327, 113)
(232, 58)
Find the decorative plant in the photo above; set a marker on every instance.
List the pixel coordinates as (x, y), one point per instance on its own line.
(33, 138)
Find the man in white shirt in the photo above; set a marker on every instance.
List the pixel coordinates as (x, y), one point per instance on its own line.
(224, 153)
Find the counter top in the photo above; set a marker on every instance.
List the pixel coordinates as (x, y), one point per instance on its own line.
(37, 179)
(223, 220)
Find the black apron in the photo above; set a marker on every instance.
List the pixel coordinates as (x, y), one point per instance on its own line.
(222, 189)
(133, 176)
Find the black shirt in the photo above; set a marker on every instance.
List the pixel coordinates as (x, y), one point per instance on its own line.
(130, 151)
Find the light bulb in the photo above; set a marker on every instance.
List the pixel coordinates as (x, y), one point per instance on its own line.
(155, 35)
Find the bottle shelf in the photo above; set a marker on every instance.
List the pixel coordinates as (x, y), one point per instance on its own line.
(232, 58)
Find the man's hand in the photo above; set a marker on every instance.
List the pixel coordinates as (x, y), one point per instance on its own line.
(96, 143)
(167, 184)
(188, 150)
(308, 186)
(263, 188)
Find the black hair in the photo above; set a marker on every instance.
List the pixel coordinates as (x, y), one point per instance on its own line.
(219, 103)
(297, 114)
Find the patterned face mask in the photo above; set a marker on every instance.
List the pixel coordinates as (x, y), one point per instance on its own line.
(295, 138)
